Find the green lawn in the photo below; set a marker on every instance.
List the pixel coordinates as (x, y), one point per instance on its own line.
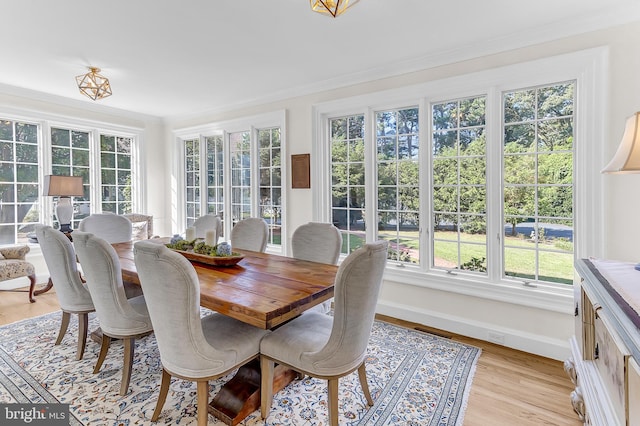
(554, 266)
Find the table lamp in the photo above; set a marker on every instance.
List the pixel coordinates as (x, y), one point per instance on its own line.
(627, 157)
(63, 187)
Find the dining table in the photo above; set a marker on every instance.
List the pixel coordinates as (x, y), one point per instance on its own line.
(262, 289)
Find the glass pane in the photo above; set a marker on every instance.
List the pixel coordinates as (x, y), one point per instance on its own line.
(26, 153)
(445, 198)
(519, 138)
(520, 263)
(519, 106)
(124, 161)
(60, 137)
(555, 168)
(519, 200)
(556, 101)
(555, 135)
(555, 201)
(6, 130)
(445, 116)
(107, 143)
(61, 156)
(445, 144)
(445, 254)
(556, 267)
(520, 169)
(473, 257)
(80, 140)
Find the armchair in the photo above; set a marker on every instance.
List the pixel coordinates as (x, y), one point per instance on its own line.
(14, 265)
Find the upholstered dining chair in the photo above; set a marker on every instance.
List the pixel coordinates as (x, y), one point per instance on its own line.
(326, 347)
(119, 317)
(110, 227)
(191, 348)
(141, 226)
(250, 234)
(208, 222)
(73, 295)
(317, 242)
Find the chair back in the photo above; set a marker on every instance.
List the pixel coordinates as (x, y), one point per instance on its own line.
(356, 290)
(110, 227)
(250, 234)
(101, 266)
(141, 225)
(317, 242)
(61, 261)
(208, 222)
(172, 291)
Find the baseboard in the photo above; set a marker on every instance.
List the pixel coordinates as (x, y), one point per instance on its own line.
(512, 338)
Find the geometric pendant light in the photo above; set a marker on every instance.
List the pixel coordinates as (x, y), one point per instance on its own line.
(94, 85)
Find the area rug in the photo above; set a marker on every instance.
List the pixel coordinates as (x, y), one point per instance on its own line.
(415, 378)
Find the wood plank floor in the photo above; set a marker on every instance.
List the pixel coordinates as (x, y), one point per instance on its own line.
(510, 388)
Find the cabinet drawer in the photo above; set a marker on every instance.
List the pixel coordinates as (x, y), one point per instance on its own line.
(610, 357)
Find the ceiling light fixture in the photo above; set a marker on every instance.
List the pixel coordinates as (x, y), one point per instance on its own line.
(332, 7)
(94, 85)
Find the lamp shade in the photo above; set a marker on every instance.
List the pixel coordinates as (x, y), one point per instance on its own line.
(63, 186)
(627, 157)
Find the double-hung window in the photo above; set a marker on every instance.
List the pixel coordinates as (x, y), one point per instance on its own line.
(477, 180)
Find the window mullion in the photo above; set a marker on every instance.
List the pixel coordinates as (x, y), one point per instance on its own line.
(494, 185)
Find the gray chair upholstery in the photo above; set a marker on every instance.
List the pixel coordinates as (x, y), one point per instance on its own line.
(110, 227)
(250, 234)
(317, 242)
(190, 347)
(326, 347)
(73, 295)
(119, 317)
(208, 222)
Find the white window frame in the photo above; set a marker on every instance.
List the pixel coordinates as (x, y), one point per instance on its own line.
(251, 124)
(588, 68)
(45, 121)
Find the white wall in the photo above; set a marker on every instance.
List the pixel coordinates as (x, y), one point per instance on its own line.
(540, 330)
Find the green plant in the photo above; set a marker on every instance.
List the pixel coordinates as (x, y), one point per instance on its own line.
(475, 264)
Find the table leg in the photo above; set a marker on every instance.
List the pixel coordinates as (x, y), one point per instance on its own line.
(240, 396)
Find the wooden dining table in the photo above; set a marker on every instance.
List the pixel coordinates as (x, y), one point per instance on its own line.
(263, 290)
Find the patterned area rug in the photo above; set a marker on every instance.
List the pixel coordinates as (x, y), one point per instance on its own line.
(415, 378)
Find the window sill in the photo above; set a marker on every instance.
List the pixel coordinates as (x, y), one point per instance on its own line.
(546, 297)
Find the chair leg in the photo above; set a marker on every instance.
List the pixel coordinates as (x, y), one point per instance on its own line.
(203, 402)
(333, 402)
(362, 375)
(129, 352)
(266, 386)
(104, 348)
(164, 390)
(66, 316)
(83, 325)
(32, 286)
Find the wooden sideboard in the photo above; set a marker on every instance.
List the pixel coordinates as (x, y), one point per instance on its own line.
(605, 350)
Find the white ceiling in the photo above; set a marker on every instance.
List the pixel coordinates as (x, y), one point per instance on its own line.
(180, 58)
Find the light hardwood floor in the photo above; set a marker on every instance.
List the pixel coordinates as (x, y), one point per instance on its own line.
(510, 388)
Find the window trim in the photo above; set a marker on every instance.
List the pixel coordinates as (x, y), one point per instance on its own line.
(589, 70)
